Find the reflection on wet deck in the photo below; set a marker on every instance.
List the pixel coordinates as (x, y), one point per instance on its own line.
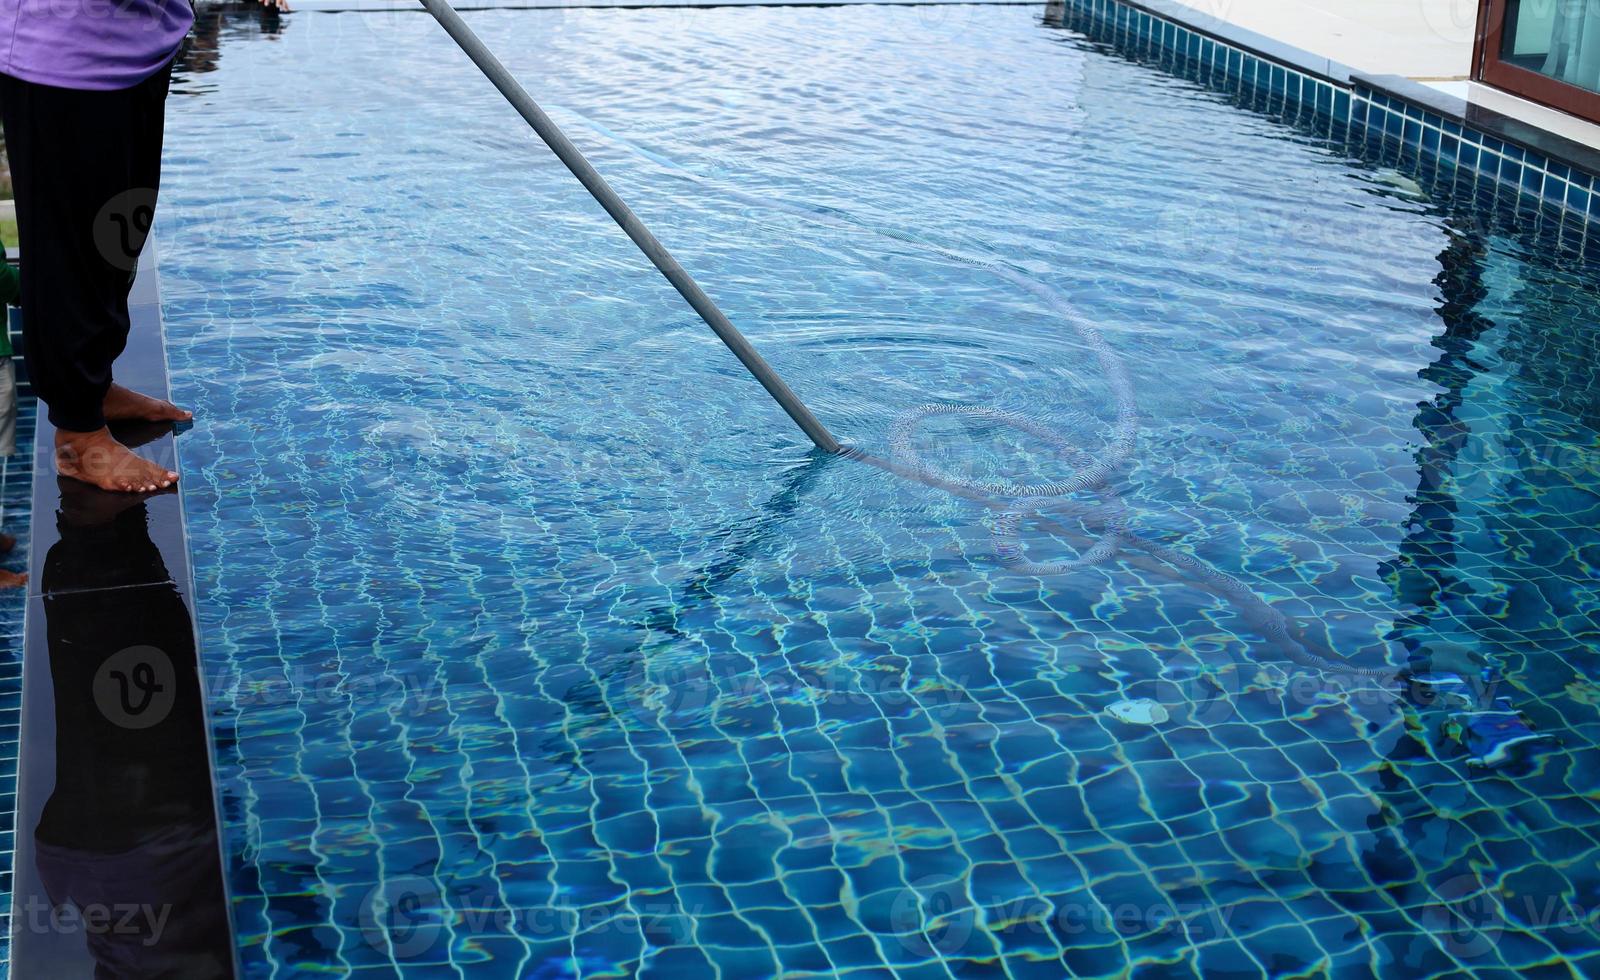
(118, 869)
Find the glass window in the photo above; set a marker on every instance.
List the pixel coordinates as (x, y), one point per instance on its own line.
(1558, 38)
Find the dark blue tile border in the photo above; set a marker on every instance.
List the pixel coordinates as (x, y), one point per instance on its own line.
(16, 491)
(1425, 125)
(116, 800)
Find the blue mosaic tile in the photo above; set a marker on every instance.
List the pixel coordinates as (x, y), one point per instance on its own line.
(1511, 171)
(16, 494)
(1532, 180)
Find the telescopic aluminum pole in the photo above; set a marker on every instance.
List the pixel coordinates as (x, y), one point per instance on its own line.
(656, 252)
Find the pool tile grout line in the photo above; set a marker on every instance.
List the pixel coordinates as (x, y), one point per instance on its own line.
(1541, 167)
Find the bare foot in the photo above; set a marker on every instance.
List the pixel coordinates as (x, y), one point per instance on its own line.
(12, 580)
(99, 460)
(123, 404)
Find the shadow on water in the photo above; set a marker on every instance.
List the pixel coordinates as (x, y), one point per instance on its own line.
(1484, 222)
(1495, 610)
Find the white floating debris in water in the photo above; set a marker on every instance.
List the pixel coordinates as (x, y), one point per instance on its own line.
(1139, 711)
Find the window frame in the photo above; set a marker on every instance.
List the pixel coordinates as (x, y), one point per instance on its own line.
(1530, 85)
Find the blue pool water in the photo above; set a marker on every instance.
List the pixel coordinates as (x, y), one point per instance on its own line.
(542, 645)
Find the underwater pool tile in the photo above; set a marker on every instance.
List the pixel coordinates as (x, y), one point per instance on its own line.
(1267, 765)
(1197, 827)
(1515, 948)
(672, 962)
(742, 962)
(1263, 844)
(934, 864)
(817, 888)
(805, 958)
(1285, 948)
(1094, 960)
(835, 923)
(868, 973)
(1150, 833)
(830, 764)
(1171, 806)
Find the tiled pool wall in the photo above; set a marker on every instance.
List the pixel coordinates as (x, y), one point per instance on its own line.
(16, 488)
(1423, 137)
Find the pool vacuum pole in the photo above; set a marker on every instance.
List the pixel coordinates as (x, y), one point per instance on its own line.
(657, 253)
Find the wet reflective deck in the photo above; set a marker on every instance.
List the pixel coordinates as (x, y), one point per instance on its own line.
(117, 864)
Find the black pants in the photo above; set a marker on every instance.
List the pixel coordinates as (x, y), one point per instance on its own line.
(85, 167)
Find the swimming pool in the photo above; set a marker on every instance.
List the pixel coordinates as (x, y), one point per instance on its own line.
(541, 645)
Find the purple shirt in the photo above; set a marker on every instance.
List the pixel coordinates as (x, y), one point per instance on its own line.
(90, 44)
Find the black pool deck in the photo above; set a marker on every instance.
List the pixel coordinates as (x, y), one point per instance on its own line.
(117, 857)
